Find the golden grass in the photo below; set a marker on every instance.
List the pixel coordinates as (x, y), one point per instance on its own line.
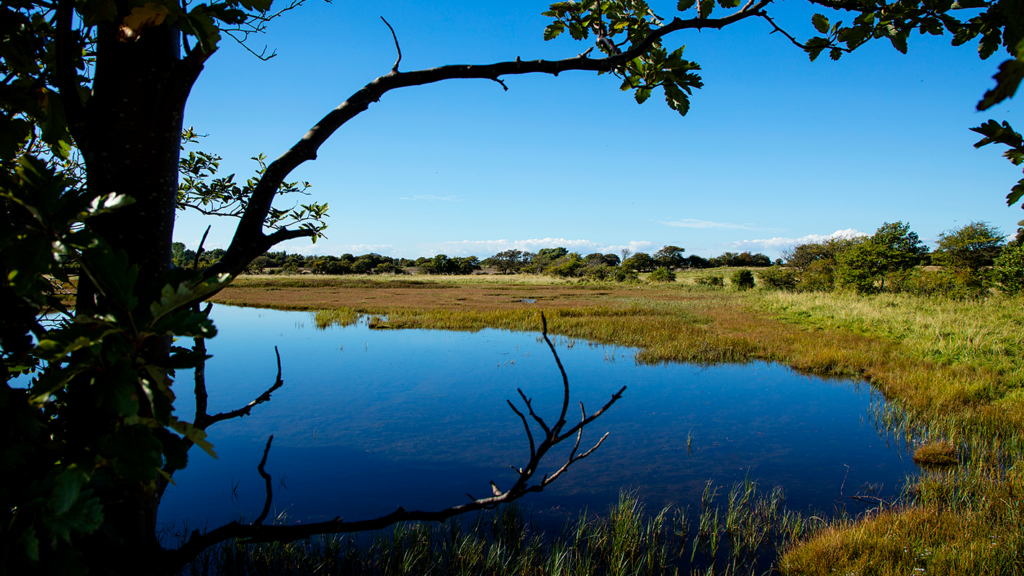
(964, 522)
(936, 453)
(955, 367)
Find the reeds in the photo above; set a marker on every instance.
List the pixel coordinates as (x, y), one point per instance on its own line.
(737, 540)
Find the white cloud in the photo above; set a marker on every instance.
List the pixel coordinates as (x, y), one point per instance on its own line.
(431, 197)
(322, 249)
(782, 243)
(693, 223)
(484, 248)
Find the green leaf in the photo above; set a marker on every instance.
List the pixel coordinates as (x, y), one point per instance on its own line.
(706, 7)
(84, 517)
(194, 434)
(186, 292)
(729, 3)
(105, 204)
(677, 99)
(258, 5)
(820, 23)
(553, 30)
(684, 5)
(68, 486)
(1015, 195)
(642, 94)
(30, 544)
(897, 37)
(1008, 79)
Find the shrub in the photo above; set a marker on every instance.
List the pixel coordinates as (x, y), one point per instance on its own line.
(713, 280)
(625, 275)
(742, 279)
(1009, 270)
(818, 277)
(598, 272)
(662, 275)
(779, 278)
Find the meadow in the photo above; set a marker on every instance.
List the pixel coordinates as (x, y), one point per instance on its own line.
(951, 371)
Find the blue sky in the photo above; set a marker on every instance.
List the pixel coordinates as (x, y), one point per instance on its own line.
(774, 151)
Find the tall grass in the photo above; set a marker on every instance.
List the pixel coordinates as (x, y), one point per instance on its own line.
(739, 537)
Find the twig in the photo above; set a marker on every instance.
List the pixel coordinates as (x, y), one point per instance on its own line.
(394, 69)
(200, 249)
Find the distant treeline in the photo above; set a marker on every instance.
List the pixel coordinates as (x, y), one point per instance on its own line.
(551, 261)
(968, 261)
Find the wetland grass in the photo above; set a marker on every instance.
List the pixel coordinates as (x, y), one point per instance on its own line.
(946, 369)
(936, 453)
(742, 538)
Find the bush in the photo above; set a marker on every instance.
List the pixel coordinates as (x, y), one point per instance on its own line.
(662, 275)
(1009, 270)
(742, 279)
(818, 277)
(779, 278)
(625, 275)
(712, 280)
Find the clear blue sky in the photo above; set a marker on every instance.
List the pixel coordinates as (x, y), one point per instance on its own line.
(775, 148)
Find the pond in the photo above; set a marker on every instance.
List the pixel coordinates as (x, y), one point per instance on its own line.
(368, 420)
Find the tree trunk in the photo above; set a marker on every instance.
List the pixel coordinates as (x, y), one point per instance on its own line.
(131, 137)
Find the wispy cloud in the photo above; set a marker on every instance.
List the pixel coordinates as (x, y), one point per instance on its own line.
(490, 247)
(431, 197)
(694, 223)
(781, 243)
(338, 249)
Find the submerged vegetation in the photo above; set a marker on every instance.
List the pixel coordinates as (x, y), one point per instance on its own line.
(951, 371)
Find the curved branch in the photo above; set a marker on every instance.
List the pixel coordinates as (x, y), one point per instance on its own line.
(249, 240)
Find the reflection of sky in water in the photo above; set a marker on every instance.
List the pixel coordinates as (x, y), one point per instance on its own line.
(370, 420)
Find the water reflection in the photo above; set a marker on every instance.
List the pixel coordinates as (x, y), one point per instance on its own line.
(369, 420)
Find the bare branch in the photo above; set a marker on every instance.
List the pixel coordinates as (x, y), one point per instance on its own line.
(249, 240)
(398, 48)
(780, 30)
(526, 425)
(266, 478)
(529, 407)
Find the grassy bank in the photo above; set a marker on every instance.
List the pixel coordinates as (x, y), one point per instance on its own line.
(954, 368)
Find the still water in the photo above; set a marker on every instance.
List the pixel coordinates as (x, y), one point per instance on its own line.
(369, 420)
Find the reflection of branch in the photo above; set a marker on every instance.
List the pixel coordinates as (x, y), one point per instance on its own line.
(244, 410)
(258, 532)
(266, 478)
